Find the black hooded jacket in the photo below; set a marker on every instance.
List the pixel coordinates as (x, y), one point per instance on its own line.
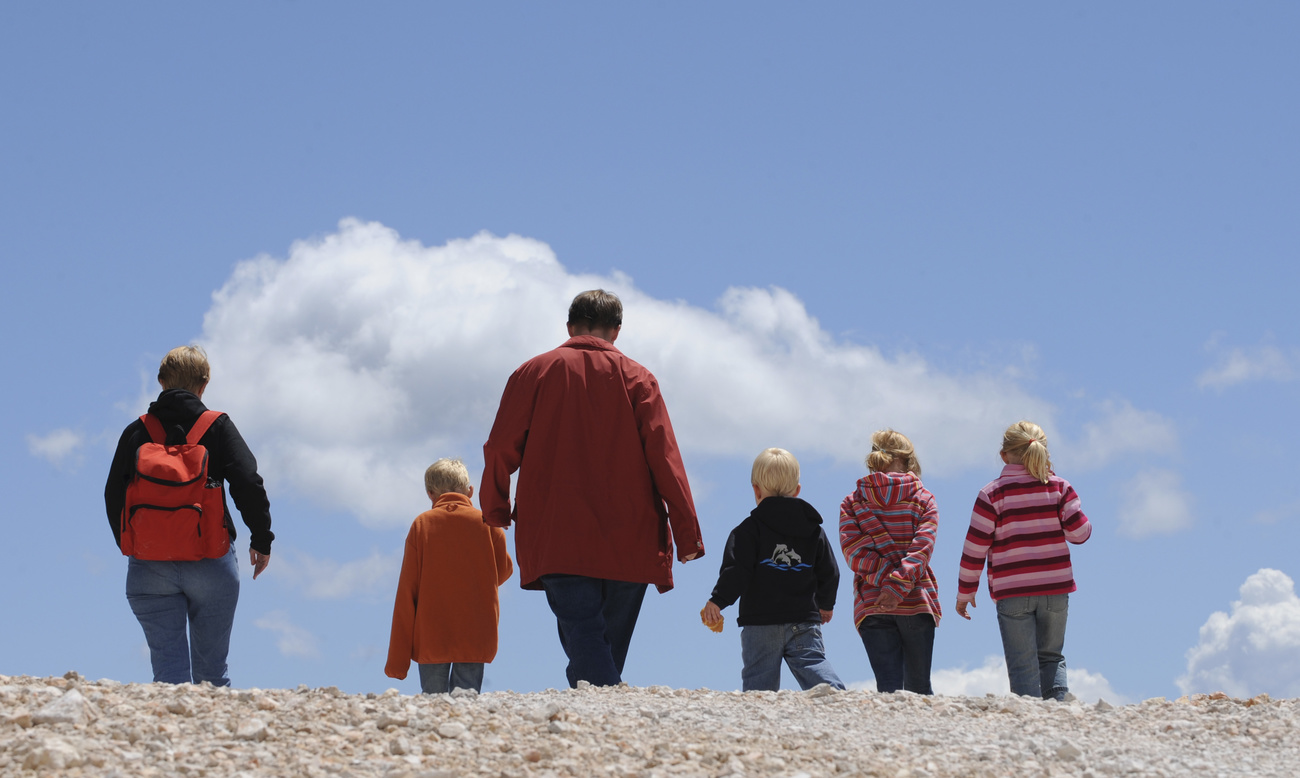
(228, 459)
(780, 564)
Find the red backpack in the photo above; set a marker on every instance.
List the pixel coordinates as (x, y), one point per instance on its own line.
(173, 511)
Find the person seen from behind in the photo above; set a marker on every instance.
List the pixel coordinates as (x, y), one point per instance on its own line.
(1021, 524)
(887, 531)
(446, 613)
(179, 576)
(782, 567)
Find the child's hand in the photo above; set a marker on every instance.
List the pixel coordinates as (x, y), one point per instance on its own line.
(888, 600)
(711, 615)
(961, 608)
(826, 616)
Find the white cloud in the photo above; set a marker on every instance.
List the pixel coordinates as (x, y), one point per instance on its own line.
(360, 358)
(1239, 365)
(57, 446)
(1283, 512)
(327, 579)
(1254, 649)
(991, 678)
(1154, 503)
(1121, 429)
(292, 640)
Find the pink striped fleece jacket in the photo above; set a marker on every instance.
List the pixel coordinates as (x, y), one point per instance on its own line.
(887, 529)
(1021, 525)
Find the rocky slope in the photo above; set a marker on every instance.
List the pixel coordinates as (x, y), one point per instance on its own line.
(70, 726)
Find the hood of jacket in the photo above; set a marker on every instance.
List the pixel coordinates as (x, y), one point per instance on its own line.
(177, 408)
(788, 516)
(886, 488)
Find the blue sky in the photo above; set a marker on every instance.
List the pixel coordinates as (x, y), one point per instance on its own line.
(823, 221)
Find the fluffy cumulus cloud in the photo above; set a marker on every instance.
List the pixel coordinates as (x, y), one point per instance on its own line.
(58, 447)
(1253, 649)
(292, 641)
(327, 579)
(1120, 428)
(360, 357)
(991, 678)
(1239, 365)
(1154, 503)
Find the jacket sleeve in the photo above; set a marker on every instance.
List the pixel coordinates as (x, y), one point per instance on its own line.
(505, 567)
(1076, 525)
(861, 548)
(246, 487)
(666, 467)
(118, 474)
(737, 567)
(504, 450)
(401, 641)
(979, 538)
(828, 574)
(910, 571)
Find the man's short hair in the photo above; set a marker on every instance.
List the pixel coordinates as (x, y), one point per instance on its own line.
(596, 309)
(185, 367)
(447, 475)
(776, 472)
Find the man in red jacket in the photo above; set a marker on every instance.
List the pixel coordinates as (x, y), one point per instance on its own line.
(601, 483)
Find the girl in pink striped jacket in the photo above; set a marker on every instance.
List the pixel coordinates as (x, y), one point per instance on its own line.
(1020, 525)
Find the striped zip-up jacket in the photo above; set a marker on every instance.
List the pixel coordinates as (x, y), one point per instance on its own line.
(1020, 525)
(887, 531)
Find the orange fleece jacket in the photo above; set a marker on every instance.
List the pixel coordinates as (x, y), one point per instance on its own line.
(447, 608)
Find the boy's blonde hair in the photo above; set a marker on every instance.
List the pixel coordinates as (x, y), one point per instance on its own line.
(888, 445)
(1027, 442)
(776, 472)
(447, 475)
(185, 367)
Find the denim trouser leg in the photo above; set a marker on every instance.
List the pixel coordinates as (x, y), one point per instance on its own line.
(165, 596)
(900, 649)
(1033, 636)
(761, 649)
(805, 655)
(443, 677)
(595, 619)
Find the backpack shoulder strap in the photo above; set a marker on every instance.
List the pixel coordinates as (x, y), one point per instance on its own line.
(201, 426)
(155, 428)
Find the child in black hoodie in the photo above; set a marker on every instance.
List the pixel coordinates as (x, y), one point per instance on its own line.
(783, 569)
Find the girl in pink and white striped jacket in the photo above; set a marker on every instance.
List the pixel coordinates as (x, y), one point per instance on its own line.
(1020, 526)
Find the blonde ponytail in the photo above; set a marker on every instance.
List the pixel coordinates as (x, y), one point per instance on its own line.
(1026, 442)
(887, 446)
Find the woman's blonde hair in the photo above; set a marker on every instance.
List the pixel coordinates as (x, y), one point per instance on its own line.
(447, 475)
(185, 367)
(888, 445)
(1027, 442)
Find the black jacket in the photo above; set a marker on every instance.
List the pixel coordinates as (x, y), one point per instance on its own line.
(228, 459)
(780, 564)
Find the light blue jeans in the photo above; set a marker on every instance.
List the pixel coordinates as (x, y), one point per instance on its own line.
(763, 646)
(1033, 636)
(164, 596)
(443, 677)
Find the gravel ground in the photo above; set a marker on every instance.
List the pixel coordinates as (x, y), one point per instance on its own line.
(70, 726)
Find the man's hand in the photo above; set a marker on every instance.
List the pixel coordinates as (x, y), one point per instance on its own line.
(826, 616)
(689, 557)
(259, 561)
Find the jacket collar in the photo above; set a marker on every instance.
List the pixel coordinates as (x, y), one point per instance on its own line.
(590, 342)
(447, 499)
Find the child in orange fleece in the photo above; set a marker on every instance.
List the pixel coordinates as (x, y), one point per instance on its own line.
(446, 613)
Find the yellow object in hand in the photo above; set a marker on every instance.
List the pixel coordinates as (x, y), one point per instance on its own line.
(715, 626)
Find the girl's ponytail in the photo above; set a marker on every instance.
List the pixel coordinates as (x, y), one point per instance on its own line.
(887, 446)
(1027, 442)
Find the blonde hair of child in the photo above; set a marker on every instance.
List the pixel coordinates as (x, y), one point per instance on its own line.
(1026, 442)
(184, 367)
(447, 475)
(888, 445)
(776, 472)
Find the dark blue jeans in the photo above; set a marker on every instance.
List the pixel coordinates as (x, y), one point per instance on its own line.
(443, 677)
(595, 618)
(167, 596)
(900, 649)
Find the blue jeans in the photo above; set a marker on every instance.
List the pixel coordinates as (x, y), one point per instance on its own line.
(763, 646)
(900, 649)
(445, 676)
(1033, 635)
(165, 595)
(595, 618)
